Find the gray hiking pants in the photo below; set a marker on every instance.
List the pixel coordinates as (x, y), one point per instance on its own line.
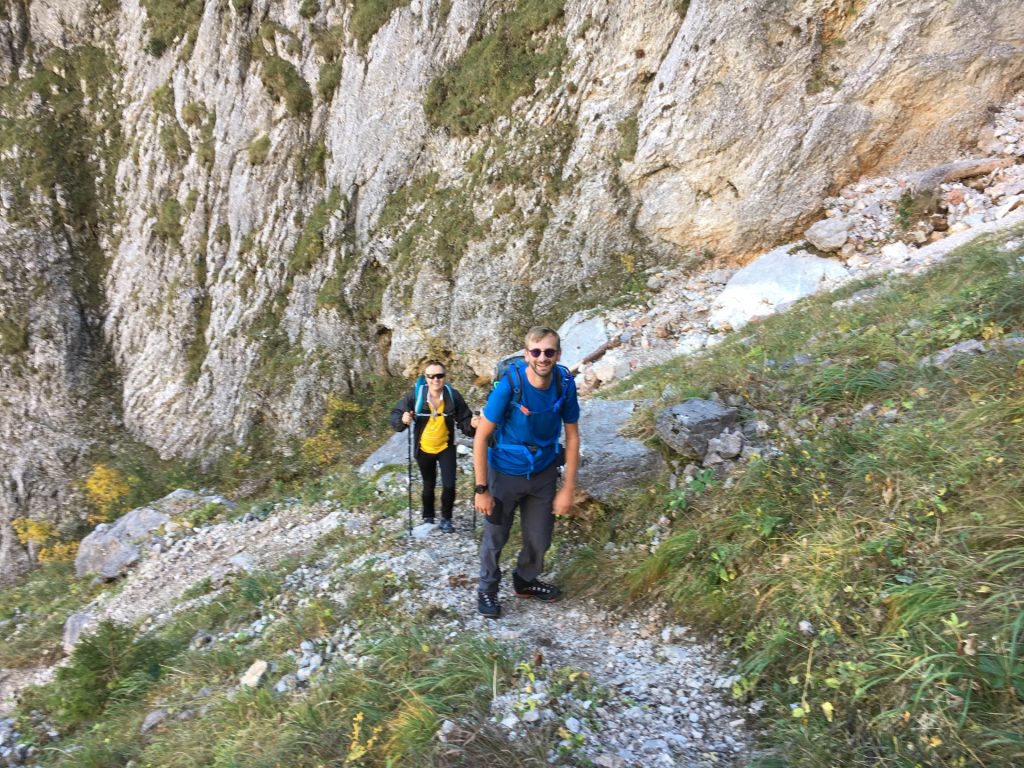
(534, 496)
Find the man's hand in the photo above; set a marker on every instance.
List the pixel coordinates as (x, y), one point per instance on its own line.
(474, 422)
(484, 503)
(563, 501)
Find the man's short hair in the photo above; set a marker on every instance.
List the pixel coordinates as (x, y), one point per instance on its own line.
(539, 332)
(435, 362)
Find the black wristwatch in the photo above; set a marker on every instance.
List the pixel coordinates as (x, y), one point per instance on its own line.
(480, 489)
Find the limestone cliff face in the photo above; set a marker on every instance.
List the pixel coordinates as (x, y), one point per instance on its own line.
(236, 207)
(760, 109)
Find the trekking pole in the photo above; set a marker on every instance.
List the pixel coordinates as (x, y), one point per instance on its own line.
(473, 507)
(410, 429)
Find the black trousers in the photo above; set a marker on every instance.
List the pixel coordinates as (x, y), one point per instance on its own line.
(428, 463)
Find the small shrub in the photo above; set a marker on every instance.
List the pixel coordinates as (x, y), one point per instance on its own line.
(284, 83)
(259, 149)
(310, 245)
(505, 204)
(106, 488)
(59, 552)
(163, 100)
(309, 8)
(322, 449)
(205, 514)
(330, 79)
(31, 531)
(109, 665)
(193, 114)
(168, 21)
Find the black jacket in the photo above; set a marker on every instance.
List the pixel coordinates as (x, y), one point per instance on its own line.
(455, 412)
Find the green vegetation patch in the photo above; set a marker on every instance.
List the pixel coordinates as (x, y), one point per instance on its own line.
(368, 16)
(198, 346)
(61, 137)
(497, 69)
(168, 226)
(167, 21)
(629, 134)
(259, 149)
(310, 246)
(867, 575)
(36, 610)
(436, 224)
(13, 337)
(282, 80)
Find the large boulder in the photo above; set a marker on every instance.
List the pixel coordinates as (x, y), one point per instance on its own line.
(580, 336)
(828, 234)
(77, 625)
(771, 283)
(611, 462)
(110, 549)
(688, 427)
(394, 452)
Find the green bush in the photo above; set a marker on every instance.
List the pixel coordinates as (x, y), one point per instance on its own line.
(109, 666)
(310, 245)
(309, 8)
(193, 114)
(330, 79)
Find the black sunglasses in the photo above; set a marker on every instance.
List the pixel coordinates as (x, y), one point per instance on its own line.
(548, 353)
(435, 375)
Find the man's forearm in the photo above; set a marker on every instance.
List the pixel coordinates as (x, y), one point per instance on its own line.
(480, 455)
(572, 458)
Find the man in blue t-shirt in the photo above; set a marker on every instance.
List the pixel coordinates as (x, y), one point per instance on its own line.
(525, 413)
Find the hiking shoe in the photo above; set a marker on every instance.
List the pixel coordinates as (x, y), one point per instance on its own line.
(429, 520)
(487, 604)
(446, 525)
(537, 589)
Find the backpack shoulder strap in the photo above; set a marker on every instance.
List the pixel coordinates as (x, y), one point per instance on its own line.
(515, 380)
(421, 395)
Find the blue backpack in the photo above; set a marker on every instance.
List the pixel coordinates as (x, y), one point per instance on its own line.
(512, 368)
(421, 396)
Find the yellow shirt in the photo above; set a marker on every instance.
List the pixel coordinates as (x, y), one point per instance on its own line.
(434, 437)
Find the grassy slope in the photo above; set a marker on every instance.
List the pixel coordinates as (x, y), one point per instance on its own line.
(894, 531)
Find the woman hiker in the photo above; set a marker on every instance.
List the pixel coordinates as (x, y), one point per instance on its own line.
(435, 409)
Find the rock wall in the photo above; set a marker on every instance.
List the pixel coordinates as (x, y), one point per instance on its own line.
(760, 110)
(256, 204)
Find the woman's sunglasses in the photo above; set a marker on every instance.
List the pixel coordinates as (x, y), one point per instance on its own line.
(548, 353)
(435, 375)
